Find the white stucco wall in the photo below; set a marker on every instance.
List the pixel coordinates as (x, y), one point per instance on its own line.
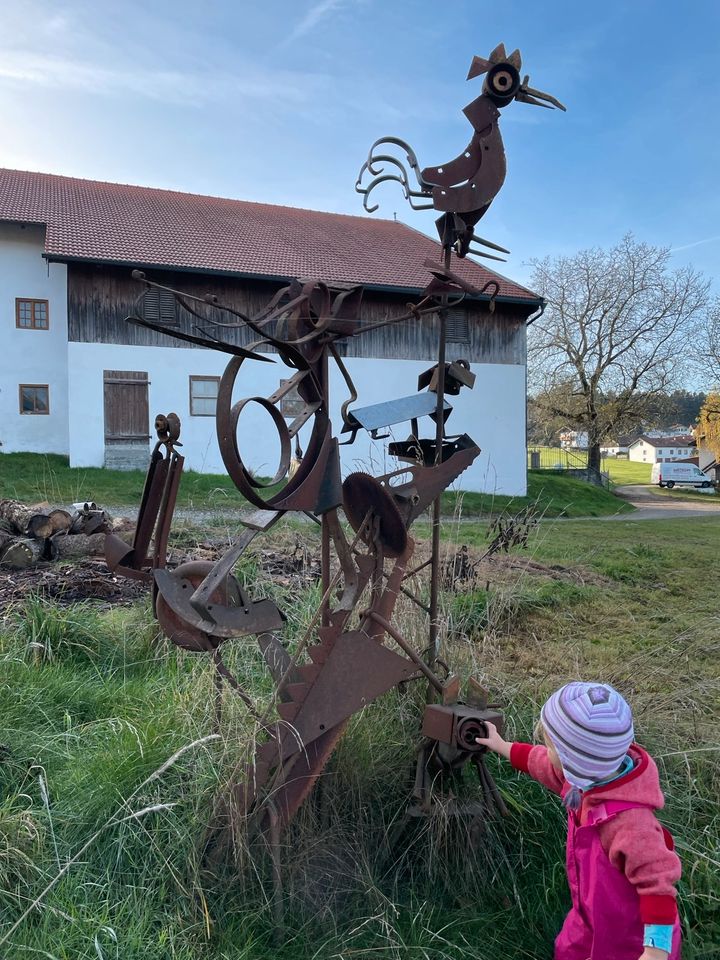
(644, 452)
(32, 356)
(493, 413)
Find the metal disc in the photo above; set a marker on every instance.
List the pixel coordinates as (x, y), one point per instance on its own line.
(184, 634)
(362, 493)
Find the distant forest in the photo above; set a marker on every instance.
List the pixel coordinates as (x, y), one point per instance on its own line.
(659, 412)
(665, 410)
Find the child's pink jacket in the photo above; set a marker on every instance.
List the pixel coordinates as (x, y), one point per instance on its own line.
(621, 865)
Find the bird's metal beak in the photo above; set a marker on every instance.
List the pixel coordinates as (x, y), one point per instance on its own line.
(527, 94)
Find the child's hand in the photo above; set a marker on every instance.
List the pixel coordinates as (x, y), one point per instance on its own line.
(653, 953)
(495, 742)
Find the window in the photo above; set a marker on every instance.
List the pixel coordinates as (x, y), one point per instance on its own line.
(158, 306)
(34, 398)
(673, 451)
(31, 314)
(203, 396)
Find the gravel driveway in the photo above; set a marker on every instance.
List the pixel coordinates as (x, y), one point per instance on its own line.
(651, 505)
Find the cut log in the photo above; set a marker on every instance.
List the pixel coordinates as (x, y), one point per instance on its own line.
(40, 526)
(79, 545)
(6, 537)
(61, 520)
(20, 554)
(25, 519)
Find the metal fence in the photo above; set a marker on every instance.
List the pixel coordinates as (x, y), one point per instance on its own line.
(556, 458)
(561, 460)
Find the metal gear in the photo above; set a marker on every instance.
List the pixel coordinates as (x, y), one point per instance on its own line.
(363, 493)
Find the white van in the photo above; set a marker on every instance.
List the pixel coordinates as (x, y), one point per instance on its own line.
(668, 474)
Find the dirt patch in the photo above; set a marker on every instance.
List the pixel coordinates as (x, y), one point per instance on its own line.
(467, 570)
(86, 579)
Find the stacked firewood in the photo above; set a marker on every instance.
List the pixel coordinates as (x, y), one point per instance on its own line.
(29, 535)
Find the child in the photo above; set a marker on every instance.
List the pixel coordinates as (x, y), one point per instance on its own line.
(620, 862)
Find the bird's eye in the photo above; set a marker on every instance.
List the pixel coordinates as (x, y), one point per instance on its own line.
(502, 83)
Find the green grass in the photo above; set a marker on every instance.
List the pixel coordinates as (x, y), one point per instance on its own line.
(681, 492)
(627, 471)
(91, 703)
(620, 471)
(35, 478)
(554, 494)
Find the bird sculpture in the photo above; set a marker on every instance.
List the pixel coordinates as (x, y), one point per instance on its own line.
(462, 189)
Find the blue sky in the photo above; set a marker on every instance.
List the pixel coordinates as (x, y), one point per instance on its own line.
(279, 102)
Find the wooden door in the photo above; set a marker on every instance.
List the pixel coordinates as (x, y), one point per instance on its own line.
(127, 422)
(126, 406)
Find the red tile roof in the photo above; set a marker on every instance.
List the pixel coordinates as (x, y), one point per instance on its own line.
(112, 222)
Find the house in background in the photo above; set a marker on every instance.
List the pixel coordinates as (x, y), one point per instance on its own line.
(706, 458)
(662, 449)
(79, 380)
(615, 448)
(573, 439)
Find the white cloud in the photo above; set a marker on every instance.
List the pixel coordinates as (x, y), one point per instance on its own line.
(696, 243)
(318, 12)
(170, 86)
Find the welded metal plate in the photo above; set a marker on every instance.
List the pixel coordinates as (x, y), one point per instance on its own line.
(258, 616)
(357, 671)
(394, 411)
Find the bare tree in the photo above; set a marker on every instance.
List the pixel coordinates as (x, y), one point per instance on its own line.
(706, 347)
(615, 332)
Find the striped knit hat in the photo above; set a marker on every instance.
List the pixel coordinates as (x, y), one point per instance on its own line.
(590, 725)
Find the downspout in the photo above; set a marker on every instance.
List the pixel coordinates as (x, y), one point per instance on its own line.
(536, 316)
(530, 320)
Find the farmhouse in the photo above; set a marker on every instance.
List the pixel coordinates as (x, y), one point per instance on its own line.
(615, 447)
(661, 449)
(573, 439)
(78, 379)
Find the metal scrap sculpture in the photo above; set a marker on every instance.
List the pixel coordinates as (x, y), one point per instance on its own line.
(344, 661)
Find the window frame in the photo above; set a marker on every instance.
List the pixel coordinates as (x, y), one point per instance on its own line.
(33, 325)
(34, 386)
(193, 377)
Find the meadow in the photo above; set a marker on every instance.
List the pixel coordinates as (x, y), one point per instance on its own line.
(36, 478)
(109, 766)
(619, 470)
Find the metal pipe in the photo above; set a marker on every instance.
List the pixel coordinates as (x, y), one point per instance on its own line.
(439, 431)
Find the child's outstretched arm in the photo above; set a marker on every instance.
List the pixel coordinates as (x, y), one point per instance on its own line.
(533, 760)
(495, 742)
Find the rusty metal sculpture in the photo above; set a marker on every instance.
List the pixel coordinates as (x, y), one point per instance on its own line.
(464, 188)
(344, 660)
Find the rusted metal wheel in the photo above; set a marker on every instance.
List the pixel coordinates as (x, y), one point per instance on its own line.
(363, 493)
(178, 630)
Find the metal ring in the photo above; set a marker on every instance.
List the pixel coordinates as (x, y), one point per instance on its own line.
(282, 429)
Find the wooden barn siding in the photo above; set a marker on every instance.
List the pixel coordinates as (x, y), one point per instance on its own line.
(100, 298)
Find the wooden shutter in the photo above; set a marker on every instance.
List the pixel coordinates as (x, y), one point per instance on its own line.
(159, 306)
(458, 326)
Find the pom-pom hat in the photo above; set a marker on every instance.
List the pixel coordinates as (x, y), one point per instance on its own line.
(591, 727)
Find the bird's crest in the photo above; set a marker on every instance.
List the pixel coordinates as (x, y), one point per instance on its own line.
(480, 65)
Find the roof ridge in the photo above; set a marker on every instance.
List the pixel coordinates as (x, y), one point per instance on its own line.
(198, 196)
(109, 222)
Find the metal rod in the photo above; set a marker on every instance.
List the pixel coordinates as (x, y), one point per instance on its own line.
(439, 430)
(325, 526)
(417, 569)
(410, 594)
(405, 646)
